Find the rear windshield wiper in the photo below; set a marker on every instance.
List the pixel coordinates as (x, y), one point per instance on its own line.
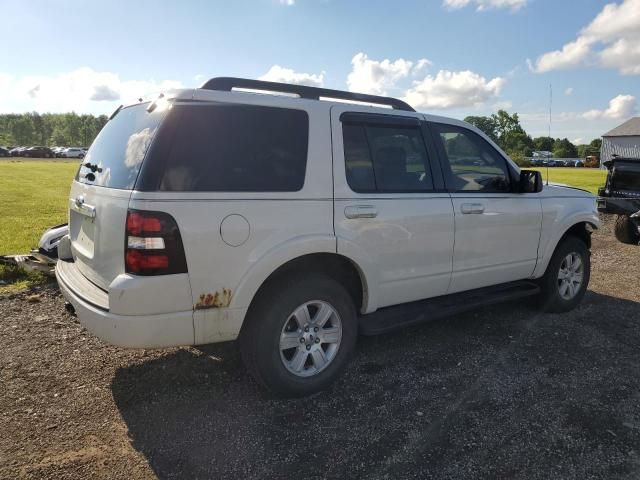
(94, 168)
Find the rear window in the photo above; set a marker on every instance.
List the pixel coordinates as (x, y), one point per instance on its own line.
(627, 176)
(117, 152)
(236, 148)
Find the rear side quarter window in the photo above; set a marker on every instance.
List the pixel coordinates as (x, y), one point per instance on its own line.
(236, 148)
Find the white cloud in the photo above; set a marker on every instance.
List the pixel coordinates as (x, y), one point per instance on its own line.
(620, 107)
(285, 75)
(377, 76)
(81, 90)
(569, 91)
(611, 40)
(421, 65)
(483, 5)
(288, 3)
(578, 141)
(453, 89)
(571, 55)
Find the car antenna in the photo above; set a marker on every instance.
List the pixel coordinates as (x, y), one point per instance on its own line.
(550, 100)
(547, 173)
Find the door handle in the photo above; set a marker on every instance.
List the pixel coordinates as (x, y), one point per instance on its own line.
(360, 211)
(81, 207)
(468, 208)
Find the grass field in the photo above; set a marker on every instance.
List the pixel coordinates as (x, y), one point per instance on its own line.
(586, 178)
(33, 197)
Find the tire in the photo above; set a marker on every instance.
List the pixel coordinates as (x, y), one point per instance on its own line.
(626, 231)
(556, 295)
(275, 313)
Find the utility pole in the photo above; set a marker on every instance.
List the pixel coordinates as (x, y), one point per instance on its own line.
(550, 102)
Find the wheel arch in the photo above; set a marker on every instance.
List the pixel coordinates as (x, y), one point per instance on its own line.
(340, 268)
(580, 229)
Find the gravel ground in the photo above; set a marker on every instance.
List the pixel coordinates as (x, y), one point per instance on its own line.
(505, 392)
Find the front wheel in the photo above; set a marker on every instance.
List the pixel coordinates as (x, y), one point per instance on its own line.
(567, 277)
(299, 334)
(626, 231)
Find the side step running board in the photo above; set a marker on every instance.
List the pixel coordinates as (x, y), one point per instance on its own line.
(398, 316)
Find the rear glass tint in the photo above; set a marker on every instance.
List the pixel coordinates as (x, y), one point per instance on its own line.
(236, 148)
(117, 152)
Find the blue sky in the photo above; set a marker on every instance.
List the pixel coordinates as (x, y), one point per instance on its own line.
(449, 57)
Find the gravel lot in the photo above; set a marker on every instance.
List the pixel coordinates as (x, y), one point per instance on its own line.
(505, 392)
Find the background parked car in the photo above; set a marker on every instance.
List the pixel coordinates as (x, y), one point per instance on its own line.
(38, 152)
(16, 152)
(73, 152)
(4, 152)
(58, 151)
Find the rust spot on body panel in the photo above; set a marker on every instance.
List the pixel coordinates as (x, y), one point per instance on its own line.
(214, 300)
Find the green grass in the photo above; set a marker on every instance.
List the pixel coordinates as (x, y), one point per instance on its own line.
(586, 178)
(33, 197)
(14, 279)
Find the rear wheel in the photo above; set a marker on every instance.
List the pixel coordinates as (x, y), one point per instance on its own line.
(626, 231)
(299, 334)
(567, 277)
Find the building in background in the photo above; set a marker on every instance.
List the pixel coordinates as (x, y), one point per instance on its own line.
(623, 141)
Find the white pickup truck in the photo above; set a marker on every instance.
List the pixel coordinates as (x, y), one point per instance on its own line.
(292, 222)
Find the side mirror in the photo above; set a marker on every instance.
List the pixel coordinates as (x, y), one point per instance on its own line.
(530, 181)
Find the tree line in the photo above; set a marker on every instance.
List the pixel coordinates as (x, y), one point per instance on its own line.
(64, 129)
(49, 129)
(505, 129)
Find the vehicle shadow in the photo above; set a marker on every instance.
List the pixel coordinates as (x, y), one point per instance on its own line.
(500, 392)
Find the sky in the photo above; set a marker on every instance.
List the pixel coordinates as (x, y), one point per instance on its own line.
(446, 57)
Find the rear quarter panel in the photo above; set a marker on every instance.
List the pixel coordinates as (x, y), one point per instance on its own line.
(282, 226)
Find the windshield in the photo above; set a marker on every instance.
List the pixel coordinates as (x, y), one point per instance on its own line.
(116, 154)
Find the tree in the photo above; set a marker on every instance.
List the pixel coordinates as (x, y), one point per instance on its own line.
(564, 149)
(50, 129)
(506, 123)
(21, 129)
(544, 144)
(486, 124)
(596, 143)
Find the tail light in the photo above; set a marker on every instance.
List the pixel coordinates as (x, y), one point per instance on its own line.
(153, 245)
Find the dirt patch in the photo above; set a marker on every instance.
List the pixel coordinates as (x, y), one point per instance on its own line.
(498, 393)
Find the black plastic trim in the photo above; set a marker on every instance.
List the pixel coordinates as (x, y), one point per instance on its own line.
(227, 84)
(378, 119)
(398, 316)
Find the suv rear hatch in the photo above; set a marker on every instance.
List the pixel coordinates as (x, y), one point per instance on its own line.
(101, 190)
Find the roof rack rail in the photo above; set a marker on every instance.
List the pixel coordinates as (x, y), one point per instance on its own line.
(312, 93)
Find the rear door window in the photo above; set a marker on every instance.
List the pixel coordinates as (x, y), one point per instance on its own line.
(237, 148)
(386, 158)
(117, 152)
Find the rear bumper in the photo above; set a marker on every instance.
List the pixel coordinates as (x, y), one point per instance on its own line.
(134, 331)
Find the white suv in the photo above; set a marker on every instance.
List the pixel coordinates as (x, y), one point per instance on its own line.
(292, 224)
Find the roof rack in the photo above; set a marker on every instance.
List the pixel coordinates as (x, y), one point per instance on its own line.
(313, 93)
